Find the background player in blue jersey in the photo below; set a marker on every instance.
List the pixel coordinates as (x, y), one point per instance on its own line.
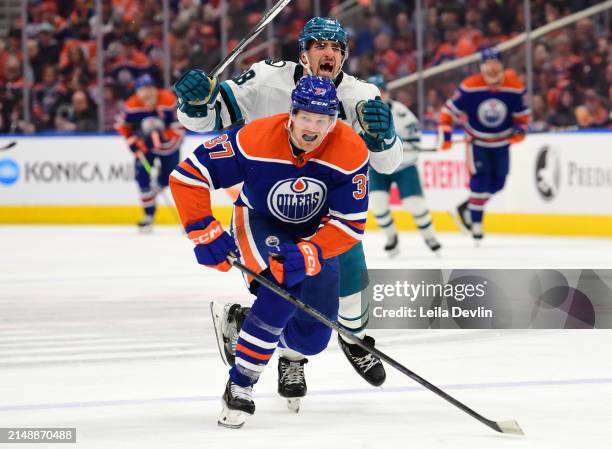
(303, 202)
(263, 90)
(496, 117)
(148, 123)
(406, 177)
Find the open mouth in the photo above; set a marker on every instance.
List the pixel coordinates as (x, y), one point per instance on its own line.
(309, 137)
(326, 68)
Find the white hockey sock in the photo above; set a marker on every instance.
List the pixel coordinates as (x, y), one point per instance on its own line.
(290, 354)
(352, 316)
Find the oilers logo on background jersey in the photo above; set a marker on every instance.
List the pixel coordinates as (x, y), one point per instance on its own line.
(492, 112)
(297, 200)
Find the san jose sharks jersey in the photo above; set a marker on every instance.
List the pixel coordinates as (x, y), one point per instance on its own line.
(408, 129)
(321, 195)
(491, 111)
(265, 90)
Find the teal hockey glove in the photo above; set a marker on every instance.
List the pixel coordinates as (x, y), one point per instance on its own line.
(376, 120)
(195, 91)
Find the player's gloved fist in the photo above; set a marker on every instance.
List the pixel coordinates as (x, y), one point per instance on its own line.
(518, 134)
(212, 243)
(445, 136)
(290, 263)
(137, 144)
(376, 120)
(195, 90)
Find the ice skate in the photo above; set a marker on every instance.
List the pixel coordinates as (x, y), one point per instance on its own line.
(227, 321)
(291, 381)
(433, 244)
(237, 404)
(464, 219)
(392, 246)
(367, 365)
(145, 225)
(477, 233)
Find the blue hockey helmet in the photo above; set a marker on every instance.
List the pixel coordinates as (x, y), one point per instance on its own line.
(379, 81)
(323, 29)
(315, 94)
(144, 80)
(490, 53)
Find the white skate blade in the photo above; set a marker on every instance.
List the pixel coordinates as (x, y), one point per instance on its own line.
(232, 419)
(392, 253)
(293, 404)
(145, 229)
(216, 311)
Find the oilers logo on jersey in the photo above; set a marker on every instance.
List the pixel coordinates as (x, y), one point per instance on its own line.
(297, 200)
(492, 112)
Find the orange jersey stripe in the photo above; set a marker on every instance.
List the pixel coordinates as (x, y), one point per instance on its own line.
(251, 353)
(243, 241)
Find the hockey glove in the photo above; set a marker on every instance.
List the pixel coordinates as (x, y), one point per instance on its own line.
(376, 120)
(445, 136)
(291, 263)
(195, 90)
(136, 144)
(212, 243)
(518, 134)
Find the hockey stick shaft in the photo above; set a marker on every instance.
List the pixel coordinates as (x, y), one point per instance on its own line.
(502, 426)
(8, 146)
(270, 15)
(147, 166)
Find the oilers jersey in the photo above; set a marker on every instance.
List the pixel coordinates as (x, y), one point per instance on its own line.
(490, 112)
(265, 90)
(138, 121)
(320, 195)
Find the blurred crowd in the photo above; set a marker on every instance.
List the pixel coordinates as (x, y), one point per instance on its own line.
(572, 67)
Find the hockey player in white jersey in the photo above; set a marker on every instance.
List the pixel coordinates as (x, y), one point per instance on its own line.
(406, 177)
(264, 90)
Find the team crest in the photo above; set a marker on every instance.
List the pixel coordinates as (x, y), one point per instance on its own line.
(492, 112)
(297, 200)
(319, 91)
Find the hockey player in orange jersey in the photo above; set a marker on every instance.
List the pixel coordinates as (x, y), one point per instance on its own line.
(492, 103)
(148, 123)
(304, 202)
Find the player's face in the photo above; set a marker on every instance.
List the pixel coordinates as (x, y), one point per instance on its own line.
(492, 70)
(148, 95)
(309, 129)
(324, 58)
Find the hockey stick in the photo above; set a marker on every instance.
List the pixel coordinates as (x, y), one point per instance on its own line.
(270, 15)
(8, 146)
(509, 427)
(143, 160)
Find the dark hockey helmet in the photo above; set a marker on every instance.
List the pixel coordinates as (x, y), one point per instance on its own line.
(315, 94)
(323, 29)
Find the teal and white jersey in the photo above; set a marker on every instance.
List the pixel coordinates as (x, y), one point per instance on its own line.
(265, 90)
(408, 129)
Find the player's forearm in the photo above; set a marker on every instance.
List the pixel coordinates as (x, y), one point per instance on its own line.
(191, 196)
(198, 124)
(337, 237)
(386, 162)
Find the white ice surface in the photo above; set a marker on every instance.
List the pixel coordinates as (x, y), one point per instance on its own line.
(109, 332)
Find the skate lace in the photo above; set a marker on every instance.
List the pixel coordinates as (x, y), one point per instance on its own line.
(366, 362)
(238, 392)
(293, 373)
